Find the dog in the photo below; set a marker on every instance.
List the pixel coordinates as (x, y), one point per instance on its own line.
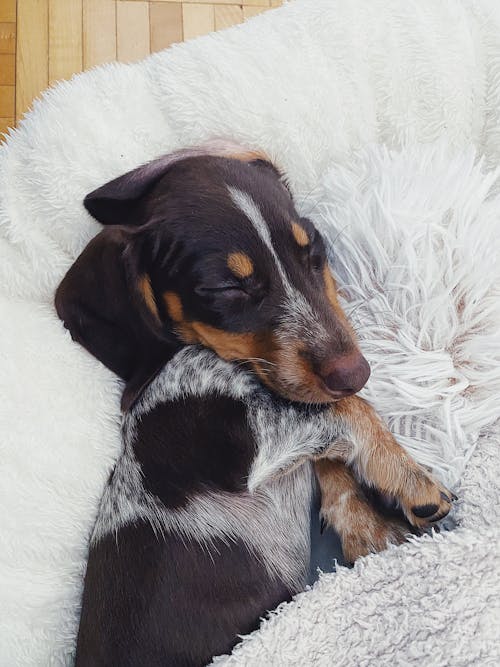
(213, 300)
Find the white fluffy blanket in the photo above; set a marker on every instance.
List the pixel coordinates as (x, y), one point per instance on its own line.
(308, 83)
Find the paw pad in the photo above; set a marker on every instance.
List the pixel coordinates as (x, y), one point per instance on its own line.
(423, 511)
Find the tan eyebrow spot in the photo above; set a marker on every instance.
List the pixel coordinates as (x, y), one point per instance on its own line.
(174, 306)
(144, 285)
(240, 264)
(299, 234)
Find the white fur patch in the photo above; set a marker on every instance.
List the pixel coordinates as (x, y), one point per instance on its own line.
(250, 208)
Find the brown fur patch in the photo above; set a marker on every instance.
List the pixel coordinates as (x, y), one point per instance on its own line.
(297, 377)
(331, 294)
(174, 306)
(382, 459)
(230, 346)
(330, 287)
(248, 156)
(144, 286)
(343, 506)
(300, 234)
(240, 264)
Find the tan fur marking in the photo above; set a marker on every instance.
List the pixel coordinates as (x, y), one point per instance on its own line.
(186, 333)
(248, 156)
(300, 234)
(297, 379)
(330, 287)
(144, 285)
(343, 506)
(228, 345)
(381, 461)
(331, 294)
(174, 306)
(240, 264)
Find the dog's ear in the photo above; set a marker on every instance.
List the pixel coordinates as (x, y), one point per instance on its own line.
(120, 202)
(109, 307)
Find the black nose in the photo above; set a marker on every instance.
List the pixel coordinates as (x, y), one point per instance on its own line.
(347, 374)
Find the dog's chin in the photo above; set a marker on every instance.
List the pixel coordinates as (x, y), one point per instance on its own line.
(309, 390)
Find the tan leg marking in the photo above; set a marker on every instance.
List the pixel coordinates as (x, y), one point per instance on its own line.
(381, 462)
(361, 528)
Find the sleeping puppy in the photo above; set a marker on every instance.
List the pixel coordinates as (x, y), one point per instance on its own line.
(212, 299)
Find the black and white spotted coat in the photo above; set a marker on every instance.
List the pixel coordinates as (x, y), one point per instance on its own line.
(204, 524)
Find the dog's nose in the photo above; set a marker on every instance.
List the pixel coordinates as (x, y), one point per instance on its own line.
(346, 375)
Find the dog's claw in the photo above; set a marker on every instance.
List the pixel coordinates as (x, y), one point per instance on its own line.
(322, 525)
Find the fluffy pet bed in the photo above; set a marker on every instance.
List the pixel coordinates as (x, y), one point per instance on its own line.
(414, 239)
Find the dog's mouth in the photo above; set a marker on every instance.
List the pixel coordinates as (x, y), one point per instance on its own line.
(300, 383)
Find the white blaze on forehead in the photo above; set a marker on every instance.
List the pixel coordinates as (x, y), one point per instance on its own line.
(300, 317)
(247, 206)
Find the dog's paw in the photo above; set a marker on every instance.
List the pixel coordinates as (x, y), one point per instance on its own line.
(374, 538)
(424, 499)
(363, 530)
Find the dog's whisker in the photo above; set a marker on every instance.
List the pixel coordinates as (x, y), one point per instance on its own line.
(256, 359)
(340, 233)
(303, 199)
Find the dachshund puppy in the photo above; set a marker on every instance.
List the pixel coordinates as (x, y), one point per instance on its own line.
(212, 299)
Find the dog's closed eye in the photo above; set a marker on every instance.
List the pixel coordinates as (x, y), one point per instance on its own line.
(228, 291)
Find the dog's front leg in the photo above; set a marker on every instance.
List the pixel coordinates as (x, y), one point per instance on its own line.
(369, 450)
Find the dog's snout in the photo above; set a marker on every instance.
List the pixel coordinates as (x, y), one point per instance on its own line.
(345, 375)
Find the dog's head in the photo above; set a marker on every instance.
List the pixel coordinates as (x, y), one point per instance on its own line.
(205, 246)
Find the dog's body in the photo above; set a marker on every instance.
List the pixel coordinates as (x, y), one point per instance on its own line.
(204, 525)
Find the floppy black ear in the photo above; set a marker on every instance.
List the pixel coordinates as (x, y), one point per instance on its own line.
(110, 309)
(120, 201)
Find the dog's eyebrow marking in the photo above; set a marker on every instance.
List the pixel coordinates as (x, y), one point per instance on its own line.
(174, 306)
(240, 264)
(144, 285)
(300, 234)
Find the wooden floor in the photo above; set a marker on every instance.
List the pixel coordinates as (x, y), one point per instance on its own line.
(42, 41)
